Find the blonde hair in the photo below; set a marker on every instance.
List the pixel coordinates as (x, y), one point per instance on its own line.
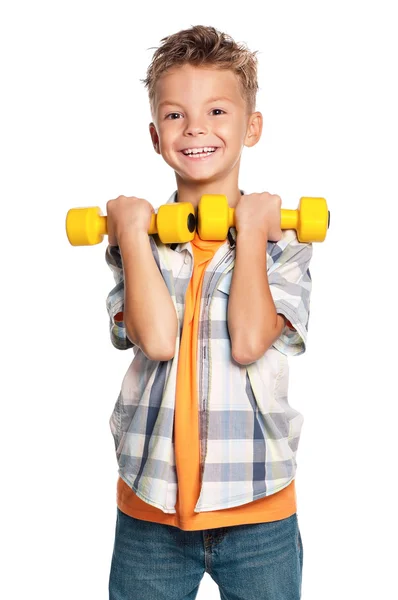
(205, 46)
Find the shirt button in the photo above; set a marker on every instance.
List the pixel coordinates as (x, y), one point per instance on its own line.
(186, 259)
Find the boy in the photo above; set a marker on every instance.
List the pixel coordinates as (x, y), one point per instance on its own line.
(205, 437)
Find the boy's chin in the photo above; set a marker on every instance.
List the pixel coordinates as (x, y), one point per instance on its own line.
(198, 178)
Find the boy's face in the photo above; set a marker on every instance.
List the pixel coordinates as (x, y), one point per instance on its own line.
(201, 107)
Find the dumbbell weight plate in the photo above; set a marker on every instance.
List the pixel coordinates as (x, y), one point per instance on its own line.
(175, 223)
(215, 217)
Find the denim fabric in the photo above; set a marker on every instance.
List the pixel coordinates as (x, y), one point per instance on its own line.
(153, 561)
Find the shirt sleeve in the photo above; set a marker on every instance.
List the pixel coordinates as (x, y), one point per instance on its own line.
(290, 283)
(115, 300)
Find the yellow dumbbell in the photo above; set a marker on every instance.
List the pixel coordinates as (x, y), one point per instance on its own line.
(173, 223)
(311, 220)
(177, 222)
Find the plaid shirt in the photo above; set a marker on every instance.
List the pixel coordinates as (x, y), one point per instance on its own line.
(248, 431)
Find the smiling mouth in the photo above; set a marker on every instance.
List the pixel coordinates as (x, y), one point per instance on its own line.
(199, 156)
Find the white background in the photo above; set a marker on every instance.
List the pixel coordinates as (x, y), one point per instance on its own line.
(74, 132)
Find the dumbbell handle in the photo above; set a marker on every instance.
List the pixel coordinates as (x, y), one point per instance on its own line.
(289, 218)
(103, 225)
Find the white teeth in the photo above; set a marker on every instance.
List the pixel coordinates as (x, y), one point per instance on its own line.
(199, 150)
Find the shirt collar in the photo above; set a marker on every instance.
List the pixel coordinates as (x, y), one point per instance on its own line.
(181, 247)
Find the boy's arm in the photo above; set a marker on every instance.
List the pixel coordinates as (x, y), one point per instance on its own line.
(253, 322)
(260, 301)
(148, 312)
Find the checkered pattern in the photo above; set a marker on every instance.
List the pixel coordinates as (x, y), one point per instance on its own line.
(249, 433)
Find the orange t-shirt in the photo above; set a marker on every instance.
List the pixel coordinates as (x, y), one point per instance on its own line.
(186, 436)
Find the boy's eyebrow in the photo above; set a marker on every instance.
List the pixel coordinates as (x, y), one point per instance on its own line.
(224, 98)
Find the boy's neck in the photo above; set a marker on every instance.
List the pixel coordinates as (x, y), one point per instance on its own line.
(192, 191)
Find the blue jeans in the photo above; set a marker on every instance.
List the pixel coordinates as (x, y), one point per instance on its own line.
(154, 561)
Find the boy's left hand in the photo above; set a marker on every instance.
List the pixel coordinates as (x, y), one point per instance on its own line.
(260, 212)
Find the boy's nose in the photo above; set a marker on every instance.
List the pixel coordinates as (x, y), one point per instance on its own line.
(195, 128)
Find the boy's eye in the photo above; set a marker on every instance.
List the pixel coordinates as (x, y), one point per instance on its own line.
(178, 114)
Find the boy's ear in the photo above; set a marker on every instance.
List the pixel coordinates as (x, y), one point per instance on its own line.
(254, 129)
(154, 136)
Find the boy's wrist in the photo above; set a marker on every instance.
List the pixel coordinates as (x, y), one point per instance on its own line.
(252, 235)
(131, 236)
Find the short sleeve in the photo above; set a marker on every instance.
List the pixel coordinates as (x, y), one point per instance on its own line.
(115, 300)
(289, 279)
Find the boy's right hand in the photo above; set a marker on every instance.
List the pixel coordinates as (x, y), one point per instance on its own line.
(127, 215)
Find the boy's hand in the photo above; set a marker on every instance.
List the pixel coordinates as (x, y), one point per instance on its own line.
(127, 216)
(259, 213)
